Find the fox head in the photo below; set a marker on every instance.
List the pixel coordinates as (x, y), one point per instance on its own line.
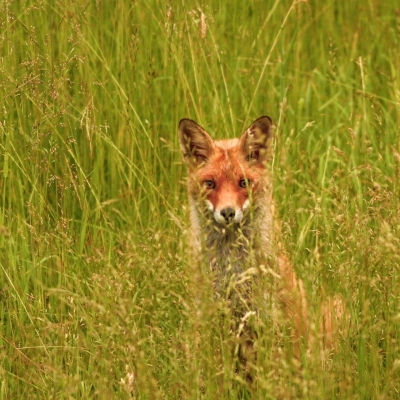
(227, 176)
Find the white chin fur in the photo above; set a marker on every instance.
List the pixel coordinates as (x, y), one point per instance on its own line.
(209, 206)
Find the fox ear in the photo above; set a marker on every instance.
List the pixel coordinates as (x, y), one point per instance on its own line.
(255, 142)
(196, 144)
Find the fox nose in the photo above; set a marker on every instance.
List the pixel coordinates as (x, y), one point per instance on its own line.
(228, 213)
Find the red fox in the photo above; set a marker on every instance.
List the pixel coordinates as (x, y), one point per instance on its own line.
(232, 212)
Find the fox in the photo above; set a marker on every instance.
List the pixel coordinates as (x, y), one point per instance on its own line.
(232, 214)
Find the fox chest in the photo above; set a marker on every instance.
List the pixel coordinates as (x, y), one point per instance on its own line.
(233, 256)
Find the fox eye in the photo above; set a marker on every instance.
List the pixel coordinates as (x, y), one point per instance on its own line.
(242, 183)
(209, 184)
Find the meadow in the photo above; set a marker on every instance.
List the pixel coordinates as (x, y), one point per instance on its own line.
(98, 296)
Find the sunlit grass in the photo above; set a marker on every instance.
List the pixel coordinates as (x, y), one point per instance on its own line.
(99, 298)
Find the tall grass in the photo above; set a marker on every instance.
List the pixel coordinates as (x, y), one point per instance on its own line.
(98, 296)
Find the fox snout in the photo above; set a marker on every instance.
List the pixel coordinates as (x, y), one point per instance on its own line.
(226, 215)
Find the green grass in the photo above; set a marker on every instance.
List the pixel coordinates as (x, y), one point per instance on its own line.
(98, 298)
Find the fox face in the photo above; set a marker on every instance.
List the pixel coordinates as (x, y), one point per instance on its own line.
(226, 176)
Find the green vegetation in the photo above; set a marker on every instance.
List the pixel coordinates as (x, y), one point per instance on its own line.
(98, 298)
